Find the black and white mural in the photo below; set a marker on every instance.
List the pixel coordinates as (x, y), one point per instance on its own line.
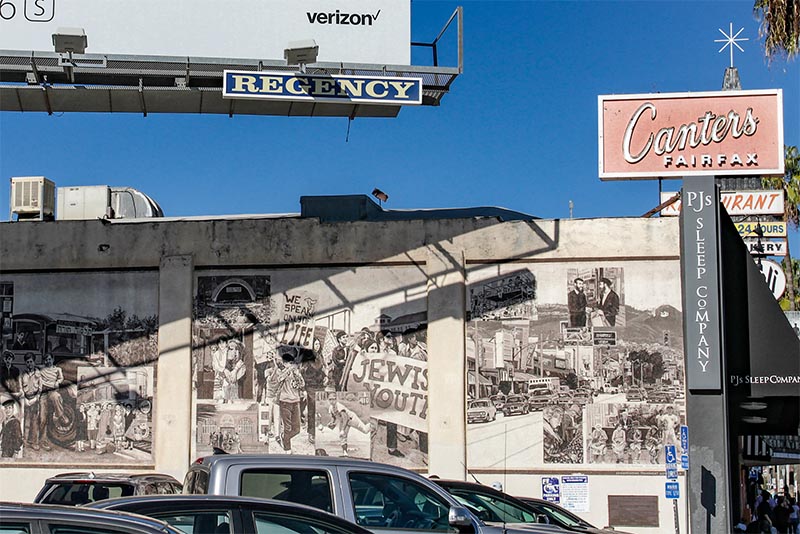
(563, 352)
(78, 373)
(313, 361)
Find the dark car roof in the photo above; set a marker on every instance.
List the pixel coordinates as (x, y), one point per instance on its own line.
(140, 504)
(108, 477)
(51, 512)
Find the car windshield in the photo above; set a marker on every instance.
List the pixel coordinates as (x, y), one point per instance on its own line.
(558, 515)
(491, 508)
(479, 404)
(77, 493)
(515, 398)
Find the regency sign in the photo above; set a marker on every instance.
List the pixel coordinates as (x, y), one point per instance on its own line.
(314, 88)
(680, 134)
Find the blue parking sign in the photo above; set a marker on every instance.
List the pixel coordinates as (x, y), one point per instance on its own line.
(551, 489)
(672, 473)
(684, 461)
(672, 490)
(685, 438)
(670, 455)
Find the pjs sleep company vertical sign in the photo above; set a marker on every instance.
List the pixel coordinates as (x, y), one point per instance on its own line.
(700, 259)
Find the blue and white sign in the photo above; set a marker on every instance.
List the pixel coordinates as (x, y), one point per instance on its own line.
(672, 473)
(551, 489)
(673, 490)
(575, 493)
(670, 455)
(344, 89)
(685, 439)
(684, 461)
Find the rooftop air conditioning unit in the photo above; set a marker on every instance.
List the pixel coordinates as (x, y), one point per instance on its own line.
(33, 198)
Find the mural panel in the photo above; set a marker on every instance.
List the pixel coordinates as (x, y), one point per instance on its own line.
(326, 362)
(561, 352)
(78, 376)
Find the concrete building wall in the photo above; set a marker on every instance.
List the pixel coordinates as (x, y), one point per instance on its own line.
(154, 292)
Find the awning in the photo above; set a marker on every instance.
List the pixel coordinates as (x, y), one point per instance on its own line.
(772, 449)
(483, 380)
(523, 377)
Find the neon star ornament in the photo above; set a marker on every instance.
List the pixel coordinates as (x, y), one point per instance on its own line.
(731, 40)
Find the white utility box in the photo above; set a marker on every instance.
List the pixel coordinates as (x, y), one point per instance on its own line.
(84, 202)
(33, 197)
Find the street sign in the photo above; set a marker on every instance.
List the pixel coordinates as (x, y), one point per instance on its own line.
(604, 338)
(684, 461)
(670, 455)
(685, 438)
(673, 490)
(774, 276)
(672, 473)
(551, 490)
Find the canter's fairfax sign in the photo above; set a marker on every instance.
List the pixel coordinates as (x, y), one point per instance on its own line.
(313, 88)
(682, 134)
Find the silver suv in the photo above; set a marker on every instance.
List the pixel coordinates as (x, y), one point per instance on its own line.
(379, 497)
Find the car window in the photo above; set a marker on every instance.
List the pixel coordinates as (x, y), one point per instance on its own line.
(82, 493)
(15, 528)
(309, 487)
(196, 482)
(493, 508)
(200, 522)
(284, 524)
(386, 501)
(561, 517)
(82, 529)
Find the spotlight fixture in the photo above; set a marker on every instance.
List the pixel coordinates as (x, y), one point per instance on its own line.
(380, 195)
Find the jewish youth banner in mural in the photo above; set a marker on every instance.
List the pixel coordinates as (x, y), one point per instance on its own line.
(77, 382)
(310, 361)
(563, 353)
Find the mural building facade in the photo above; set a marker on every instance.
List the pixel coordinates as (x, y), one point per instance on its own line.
(418, 344)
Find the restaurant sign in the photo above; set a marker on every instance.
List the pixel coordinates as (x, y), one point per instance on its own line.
(682, 134)
(764, 202)
(315, 88)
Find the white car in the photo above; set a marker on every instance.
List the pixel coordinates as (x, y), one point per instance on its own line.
(481, 411)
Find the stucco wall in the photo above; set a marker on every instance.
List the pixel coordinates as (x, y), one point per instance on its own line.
(445, 257)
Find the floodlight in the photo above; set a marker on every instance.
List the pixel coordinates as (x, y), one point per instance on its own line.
(380, 195)
(71, 40)
(301, 52)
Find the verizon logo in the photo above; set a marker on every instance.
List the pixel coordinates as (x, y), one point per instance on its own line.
(342, 19)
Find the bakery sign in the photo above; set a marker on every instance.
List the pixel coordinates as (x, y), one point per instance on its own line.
(682, 134)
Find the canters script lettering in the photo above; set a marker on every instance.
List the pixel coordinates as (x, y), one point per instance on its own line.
(708, 129)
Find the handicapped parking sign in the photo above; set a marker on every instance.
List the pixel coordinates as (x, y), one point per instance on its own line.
(551, 490)
(685, 438)
(670, 455)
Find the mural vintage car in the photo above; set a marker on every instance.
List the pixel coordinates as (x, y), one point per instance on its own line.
(516, 405)
(636, 395)
(541, 398)
(481, 411)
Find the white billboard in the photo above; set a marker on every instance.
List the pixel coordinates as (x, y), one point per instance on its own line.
(348, 31)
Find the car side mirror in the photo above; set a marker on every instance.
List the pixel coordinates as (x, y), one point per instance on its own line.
(542, 518)
(460, 519)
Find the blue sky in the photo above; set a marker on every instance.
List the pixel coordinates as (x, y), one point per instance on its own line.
(518, 130)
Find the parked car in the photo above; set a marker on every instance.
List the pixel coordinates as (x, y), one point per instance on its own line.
(562, 517)
(583, 396)
(515, 405)
(635, 395)
(221, 514)
(51, 519)
(495, 507)
(661, 396)
(373, 495)
(540, 398)
(73, 489)
(481, 411)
